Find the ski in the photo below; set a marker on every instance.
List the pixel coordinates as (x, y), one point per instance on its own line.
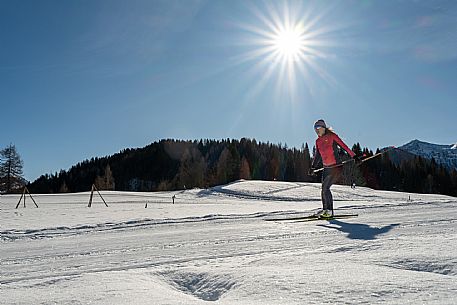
(341, 216)
(291, 218)
(311, 217)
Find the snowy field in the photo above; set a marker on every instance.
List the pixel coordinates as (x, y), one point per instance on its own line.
(214, 245)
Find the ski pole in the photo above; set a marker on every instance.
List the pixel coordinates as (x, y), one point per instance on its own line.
(351, 160)
(333, 166)
(378, 154)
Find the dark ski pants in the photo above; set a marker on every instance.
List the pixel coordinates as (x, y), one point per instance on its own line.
(329, 177)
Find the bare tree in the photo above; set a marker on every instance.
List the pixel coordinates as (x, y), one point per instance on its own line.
(10, 169)
(106, 182)
(245, 170)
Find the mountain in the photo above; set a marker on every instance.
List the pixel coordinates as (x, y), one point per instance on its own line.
(397, 156)
(443, 154)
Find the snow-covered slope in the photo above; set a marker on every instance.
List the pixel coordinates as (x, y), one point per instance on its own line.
(443, 154)
(213, 245)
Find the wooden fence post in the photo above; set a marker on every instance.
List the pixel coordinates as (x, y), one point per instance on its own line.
(94, 188)
(23, 195)
(20, 199)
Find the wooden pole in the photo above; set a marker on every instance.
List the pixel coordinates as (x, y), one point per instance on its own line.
(24, 195)
(20, 199)
(31, 197)
(94, 188)
(100, 195)
(91, 195)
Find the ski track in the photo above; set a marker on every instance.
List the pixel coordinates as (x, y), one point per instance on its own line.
(200, 251)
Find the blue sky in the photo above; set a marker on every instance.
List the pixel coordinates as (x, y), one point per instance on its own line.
(80, 79)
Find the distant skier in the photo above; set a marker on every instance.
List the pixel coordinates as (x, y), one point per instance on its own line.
(327, 153)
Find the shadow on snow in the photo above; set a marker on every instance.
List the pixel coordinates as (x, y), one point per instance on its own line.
(359, 231)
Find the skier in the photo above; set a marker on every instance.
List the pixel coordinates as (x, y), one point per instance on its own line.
(327, 152)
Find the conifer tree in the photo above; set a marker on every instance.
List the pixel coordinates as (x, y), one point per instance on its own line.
(11, 165)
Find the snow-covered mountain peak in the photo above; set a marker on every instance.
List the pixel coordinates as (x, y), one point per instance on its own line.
(443, 154)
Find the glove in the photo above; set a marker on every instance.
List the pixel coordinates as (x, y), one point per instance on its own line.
(311, 172)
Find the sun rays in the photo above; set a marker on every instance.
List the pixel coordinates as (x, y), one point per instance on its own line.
(286, 44)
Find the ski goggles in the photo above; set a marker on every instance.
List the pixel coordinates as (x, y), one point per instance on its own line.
(318, 127)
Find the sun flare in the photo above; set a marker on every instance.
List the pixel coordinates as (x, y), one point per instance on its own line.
(289, 43)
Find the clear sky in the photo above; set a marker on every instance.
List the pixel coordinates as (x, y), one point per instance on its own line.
(87, 78)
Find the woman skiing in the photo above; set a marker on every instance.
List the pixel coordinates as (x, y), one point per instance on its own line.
(327, 144)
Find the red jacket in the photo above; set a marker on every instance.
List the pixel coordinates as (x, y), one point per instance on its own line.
(326, 149)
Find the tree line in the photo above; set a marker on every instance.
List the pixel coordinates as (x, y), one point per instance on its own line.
(176, 164)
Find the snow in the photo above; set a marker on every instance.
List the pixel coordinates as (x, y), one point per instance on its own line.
(214, 246)
(454, 146)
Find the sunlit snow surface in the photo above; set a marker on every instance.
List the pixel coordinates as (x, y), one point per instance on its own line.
(215, 246)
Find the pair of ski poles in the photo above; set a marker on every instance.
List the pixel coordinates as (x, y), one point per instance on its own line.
(352, 160)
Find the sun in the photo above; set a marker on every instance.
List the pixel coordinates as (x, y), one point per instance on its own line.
(289, 43)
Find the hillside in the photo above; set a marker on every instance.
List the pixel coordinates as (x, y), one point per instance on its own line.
(175, 165)
(169, 165)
